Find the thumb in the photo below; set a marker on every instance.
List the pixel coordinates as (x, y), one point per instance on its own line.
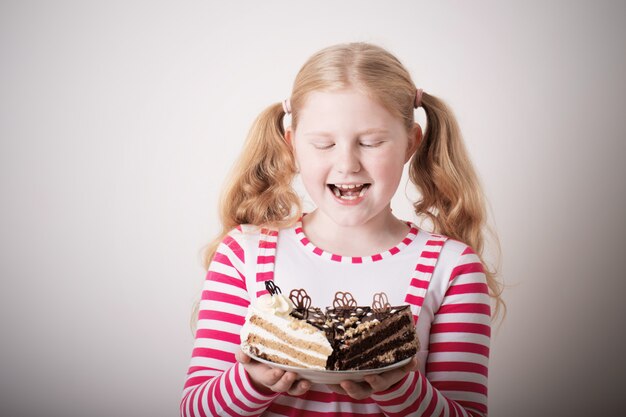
(413, 364)
(242, 357)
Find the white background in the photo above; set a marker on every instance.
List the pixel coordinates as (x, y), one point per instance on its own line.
(119, 120)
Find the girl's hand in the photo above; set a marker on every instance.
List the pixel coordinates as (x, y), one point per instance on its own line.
(374, 383)
(270, 380)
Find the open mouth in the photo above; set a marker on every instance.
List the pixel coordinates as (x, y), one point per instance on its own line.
(349, 191)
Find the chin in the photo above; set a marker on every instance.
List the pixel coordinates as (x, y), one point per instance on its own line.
(350, 219)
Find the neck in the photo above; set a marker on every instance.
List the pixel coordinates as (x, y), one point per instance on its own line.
(374, 236)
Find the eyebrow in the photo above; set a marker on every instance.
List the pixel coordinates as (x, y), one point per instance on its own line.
(369, 131)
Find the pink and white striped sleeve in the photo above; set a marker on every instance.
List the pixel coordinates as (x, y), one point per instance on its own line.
(455, 383)
(216, 384)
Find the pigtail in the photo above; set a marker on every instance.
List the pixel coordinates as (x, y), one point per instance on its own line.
(452, 197)
(259, 191)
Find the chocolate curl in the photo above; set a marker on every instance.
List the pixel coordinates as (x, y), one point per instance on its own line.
(300, 299)
(272, 288)
(380, 303)
(343, 300)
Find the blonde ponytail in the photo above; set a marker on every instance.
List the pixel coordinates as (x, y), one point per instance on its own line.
(452, 198)
(259, 191)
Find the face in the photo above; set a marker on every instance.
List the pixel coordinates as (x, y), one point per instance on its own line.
(351, 152)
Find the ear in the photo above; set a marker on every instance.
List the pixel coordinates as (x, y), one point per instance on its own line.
(415, 138)
(289, 137)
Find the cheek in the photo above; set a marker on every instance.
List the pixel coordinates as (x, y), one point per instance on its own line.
(312, 172)
(309, 166)
(388, 167)
(306, 160)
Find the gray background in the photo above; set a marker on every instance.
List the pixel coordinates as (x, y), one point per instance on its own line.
(119, 120)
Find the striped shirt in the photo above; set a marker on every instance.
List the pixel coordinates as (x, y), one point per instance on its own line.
(440, 278)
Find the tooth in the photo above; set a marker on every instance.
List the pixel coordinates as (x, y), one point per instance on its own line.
(336, 191)
(362, 191)
(351, 186)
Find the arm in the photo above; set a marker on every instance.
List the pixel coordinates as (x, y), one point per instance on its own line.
(217, 384)
(455, 383)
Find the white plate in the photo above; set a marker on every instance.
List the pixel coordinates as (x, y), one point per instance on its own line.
(331, 377)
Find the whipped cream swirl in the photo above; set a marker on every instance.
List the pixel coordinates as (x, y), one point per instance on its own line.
(277, 304)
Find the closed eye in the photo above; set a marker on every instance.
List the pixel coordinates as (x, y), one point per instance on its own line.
(371, 144)
(323, 145)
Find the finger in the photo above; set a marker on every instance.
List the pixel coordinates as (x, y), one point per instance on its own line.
(263, 374)
(242, 357)
(376, 382)
(413, 365)
(271, 377)
(299, 387)
(358, 391)
(382, 382)
(337, 389)
(284, 383)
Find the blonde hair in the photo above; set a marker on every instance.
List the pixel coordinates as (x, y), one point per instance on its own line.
(260, 191)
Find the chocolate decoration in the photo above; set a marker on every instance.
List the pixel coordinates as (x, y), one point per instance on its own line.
(380, 303)
(300, 299)
(272, 288)
(344, 300)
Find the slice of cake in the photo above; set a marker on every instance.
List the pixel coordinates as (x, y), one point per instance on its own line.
(271, 333)
(371, 338)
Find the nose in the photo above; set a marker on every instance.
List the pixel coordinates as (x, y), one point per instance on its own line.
(347, 160)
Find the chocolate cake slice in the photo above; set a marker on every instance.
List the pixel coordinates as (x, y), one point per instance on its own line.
(372, 340)
(369, 338)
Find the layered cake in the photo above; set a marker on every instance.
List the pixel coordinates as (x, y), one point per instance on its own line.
(270, 332)
(344, 337)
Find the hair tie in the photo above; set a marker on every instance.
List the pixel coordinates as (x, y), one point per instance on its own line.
(418, 97)
(287, 106)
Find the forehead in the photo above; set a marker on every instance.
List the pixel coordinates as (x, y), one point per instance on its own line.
(344, 110)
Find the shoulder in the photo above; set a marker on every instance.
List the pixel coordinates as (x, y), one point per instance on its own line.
(460, 250)
(455, 259)
(449, 247)
(246, 238)
(441, 243)
(464, 265)
(240, 237)
(249, 232)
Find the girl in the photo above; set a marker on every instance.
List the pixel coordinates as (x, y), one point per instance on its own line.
(352, 131)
